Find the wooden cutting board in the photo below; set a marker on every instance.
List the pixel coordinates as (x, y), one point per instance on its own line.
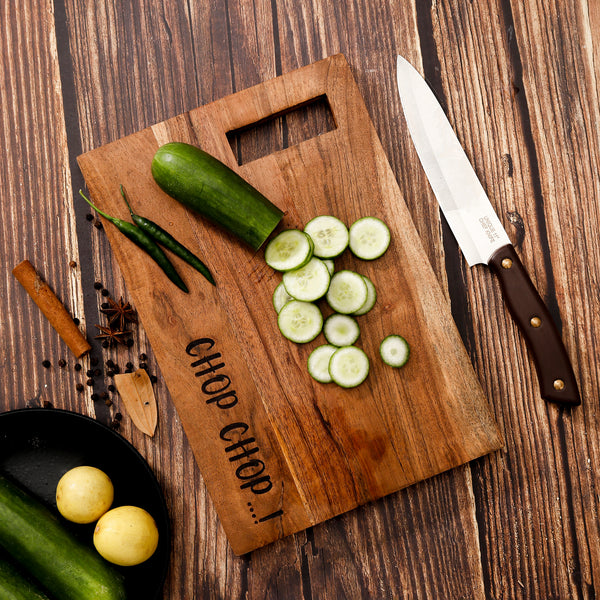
(278, 451)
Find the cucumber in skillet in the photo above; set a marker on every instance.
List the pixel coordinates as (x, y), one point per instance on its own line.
(211, 188)
(15, 586)
(37, 541)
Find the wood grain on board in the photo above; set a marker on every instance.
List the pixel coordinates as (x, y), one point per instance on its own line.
(318, 450)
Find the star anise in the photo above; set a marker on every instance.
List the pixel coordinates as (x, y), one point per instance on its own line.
(119, 313)
(113, 336)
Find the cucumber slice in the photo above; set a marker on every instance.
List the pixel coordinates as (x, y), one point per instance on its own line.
(309, 282)
(394, 350)
(347, 292)
(291, 249)
(369, 238)
(318, 363)
(348, 366)
(371, 298)
(300, 321)
(330, 265)
(341, 330)
(280, 297)
(329, 234)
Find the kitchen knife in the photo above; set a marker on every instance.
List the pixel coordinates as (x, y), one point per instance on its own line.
(480, 234)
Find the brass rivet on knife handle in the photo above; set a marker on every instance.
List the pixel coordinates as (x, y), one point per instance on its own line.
(52, 308)
(554, 370)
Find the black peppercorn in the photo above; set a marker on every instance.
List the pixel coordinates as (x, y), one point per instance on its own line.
(143, 357)
(89, 382)
(89, 217)
(93, 361)
(143, 366)
(105, 344)
(62, 363)
(97, 372)
(112, 388)
(97, 224)
(98, 285)
(153, 378)
(129, 365)
(72, 264)
(118, 416)
(79, 387)
(76, 321)
(77, 367)
(105, 305)
(46, 364)
(95, 397)
(110, 373)
(105, 292)
(89, 373)
(130, 342)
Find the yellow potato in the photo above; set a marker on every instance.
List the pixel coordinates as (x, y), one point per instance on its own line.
(84, 494)
(126, 536)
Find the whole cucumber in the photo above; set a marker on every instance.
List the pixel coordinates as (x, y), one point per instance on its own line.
(38, 542)
(209, 187)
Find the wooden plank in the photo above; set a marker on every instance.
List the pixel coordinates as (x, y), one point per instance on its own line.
(528, 113)
(349, 446)
(35, 184)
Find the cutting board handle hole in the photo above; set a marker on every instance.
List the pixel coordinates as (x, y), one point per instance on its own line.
(282, 130)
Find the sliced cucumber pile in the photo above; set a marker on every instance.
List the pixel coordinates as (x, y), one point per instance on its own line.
(347, 292)
(308, 283)
(280, 297)
(341, 330)
(291, 249)
(318, 363)
(305, 258)
(369, 238)
(300, 322)
(348, 366)
(329, 234)
(371, 298)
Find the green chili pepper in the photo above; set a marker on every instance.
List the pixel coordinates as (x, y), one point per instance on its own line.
(145, 242)
(168, 241)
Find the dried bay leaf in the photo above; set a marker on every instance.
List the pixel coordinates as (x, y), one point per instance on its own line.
(138, 397)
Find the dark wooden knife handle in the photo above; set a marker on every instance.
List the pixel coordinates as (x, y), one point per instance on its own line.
(554, 370)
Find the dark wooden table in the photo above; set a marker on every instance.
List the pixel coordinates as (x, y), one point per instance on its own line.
(519, 81)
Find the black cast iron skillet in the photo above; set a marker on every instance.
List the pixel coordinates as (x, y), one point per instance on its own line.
(39, 445)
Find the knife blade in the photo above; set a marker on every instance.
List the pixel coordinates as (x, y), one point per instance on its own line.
(480, 234)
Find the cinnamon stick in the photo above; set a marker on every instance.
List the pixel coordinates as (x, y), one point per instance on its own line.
(52, 308)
